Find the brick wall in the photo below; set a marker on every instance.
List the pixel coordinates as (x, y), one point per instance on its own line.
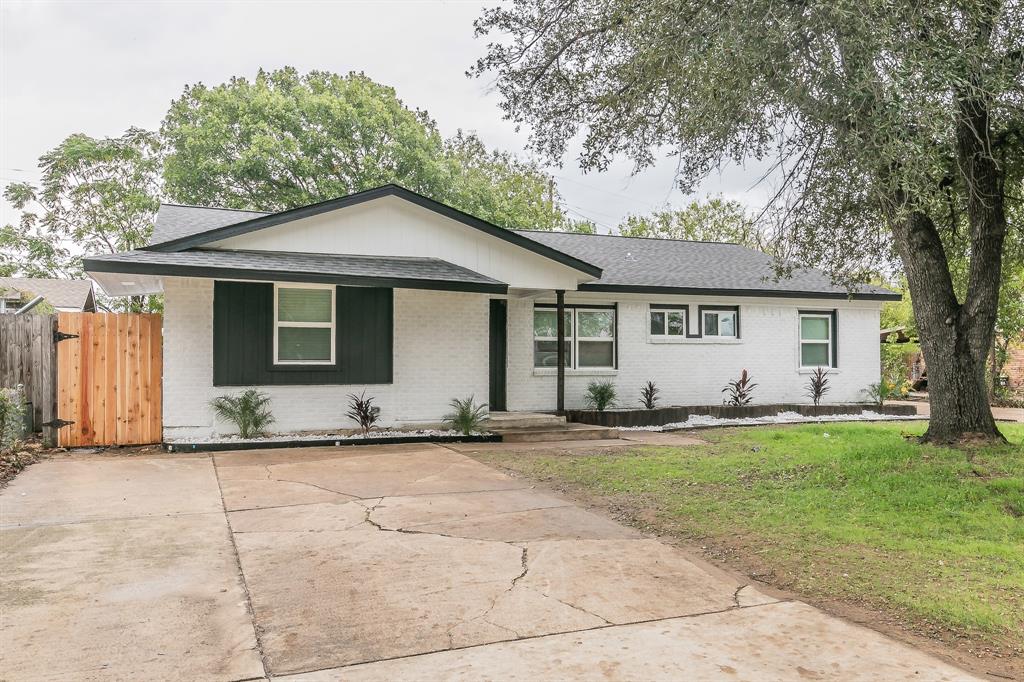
(440, 353)
(693, 372)
(1014, 367)
(441, 349)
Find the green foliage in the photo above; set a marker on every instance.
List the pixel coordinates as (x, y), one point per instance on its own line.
(287, 139)
(710, 220)
(851, 512)
(900, 313)
(249, 412)
(96, 196)
(880, 391)
(817, 386)
(740, 391)
(12, 418)
(896, 359)
(649, 395)
(466, 416)
(600, 395)
(362, 411)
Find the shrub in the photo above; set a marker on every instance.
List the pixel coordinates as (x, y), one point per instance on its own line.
(817, 386)
(649, 395)
(362, 410)
(248, 412)
(12, 418)
(740, 390)
(880, 392)
(601, 395)
(466, 417)
(896, 359)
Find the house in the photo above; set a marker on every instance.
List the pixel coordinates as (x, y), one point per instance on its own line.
(416, 303)
(63, 295)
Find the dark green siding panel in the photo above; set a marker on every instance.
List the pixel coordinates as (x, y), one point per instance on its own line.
(243, 341)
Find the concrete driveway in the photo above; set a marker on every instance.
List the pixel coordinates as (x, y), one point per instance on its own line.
(376, 563)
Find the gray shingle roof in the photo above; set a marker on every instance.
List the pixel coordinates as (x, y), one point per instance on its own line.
(643, 264)
(174, 221)
(430, 273)
(60, 293)
(674, 264)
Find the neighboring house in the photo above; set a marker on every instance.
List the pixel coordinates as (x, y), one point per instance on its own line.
(417, 303)
(63, 295)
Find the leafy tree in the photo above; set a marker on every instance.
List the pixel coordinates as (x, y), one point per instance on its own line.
(711, 220)
(96, 196)
(288, 139)
(891, 125)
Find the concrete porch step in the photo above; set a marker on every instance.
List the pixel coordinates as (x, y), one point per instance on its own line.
(523, 420)
(536, 434)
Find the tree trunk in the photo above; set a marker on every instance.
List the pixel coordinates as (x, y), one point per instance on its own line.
(956, 374)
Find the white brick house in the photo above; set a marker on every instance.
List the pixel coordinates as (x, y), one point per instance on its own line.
(417, 303)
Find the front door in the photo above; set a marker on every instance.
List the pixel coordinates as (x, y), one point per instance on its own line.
(498, 354)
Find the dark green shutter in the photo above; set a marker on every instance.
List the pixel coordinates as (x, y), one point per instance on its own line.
(243, 342)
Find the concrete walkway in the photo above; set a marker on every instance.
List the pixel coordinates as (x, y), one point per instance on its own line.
(1009, 414)
(377, 563)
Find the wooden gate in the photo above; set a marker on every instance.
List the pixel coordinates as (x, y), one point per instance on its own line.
(109, 370)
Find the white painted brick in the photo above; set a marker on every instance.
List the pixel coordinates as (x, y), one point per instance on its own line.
(694, 372)
(441, 352)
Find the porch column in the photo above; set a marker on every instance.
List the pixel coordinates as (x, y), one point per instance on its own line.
(560, 355)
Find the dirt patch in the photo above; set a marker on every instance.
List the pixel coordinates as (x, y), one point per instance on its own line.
(13, 463)
(743, 554)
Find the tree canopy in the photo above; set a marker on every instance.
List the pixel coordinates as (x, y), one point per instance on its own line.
(890, 126)
(710, 220)
(287, 139)
(96, 196)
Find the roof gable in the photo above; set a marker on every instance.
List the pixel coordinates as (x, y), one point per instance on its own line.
(260, 221)
(60, 293)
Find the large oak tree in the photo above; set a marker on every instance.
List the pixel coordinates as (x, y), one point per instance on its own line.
(893, 125)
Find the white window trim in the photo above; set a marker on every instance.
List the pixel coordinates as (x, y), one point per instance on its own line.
(800, 337)
(574, 341)
(665, 336)
(705, 335)
(318, 325)
(598, 339)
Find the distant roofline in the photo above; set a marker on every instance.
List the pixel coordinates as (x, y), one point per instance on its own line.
(627, 236)
(214, 208)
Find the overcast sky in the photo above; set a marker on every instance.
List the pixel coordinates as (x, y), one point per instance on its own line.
(100, 67)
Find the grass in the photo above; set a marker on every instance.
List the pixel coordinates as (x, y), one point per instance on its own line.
(848, 512)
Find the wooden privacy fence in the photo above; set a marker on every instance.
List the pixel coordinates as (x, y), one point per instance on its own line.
(27, 358)
(109, 369)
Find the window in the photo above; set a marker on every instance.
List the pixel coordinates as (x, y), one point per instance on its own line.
(589, 338)
(545, 337)
(303, 324)
(719, 323)
(816, 340)
(668, 322)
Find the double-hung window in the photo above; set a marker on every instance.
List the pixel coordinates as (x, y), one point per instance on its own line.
(817, 337)
(589, 338)
(668, 323)
(719, 324)
(304, 324)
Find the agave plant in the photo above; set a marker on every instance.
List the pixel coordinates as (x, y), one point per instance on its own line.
(466, 417)
(740, 390)
(817, 385)
(649, 395)
(248, 411)
(362, 410)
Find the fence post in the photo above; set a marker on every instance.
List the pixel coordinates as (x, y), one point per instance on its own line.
(49, 382)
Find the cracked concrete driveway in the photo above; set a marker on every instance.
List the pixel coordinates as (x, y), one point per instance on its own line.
(377, 563)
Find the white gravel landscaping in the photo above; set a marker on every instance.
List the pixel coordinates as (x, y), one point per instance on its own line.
(425, 434)
(705, 421)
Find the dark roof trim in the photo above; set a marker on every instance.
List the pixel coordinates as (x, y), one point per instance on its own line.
(210, 272)
(761, 293)
(261, 222)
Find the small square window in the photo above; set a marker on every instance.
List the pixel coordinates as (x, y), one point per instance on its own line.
(816, 340)
(303, 325)
(720, 323)
(666, 322)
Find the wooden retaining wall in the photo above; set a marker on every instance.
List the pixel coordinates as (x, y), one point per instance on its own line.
(670, 415)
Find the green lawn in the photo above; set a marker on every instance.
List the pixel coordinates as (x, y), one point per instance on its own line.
(853, 512)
